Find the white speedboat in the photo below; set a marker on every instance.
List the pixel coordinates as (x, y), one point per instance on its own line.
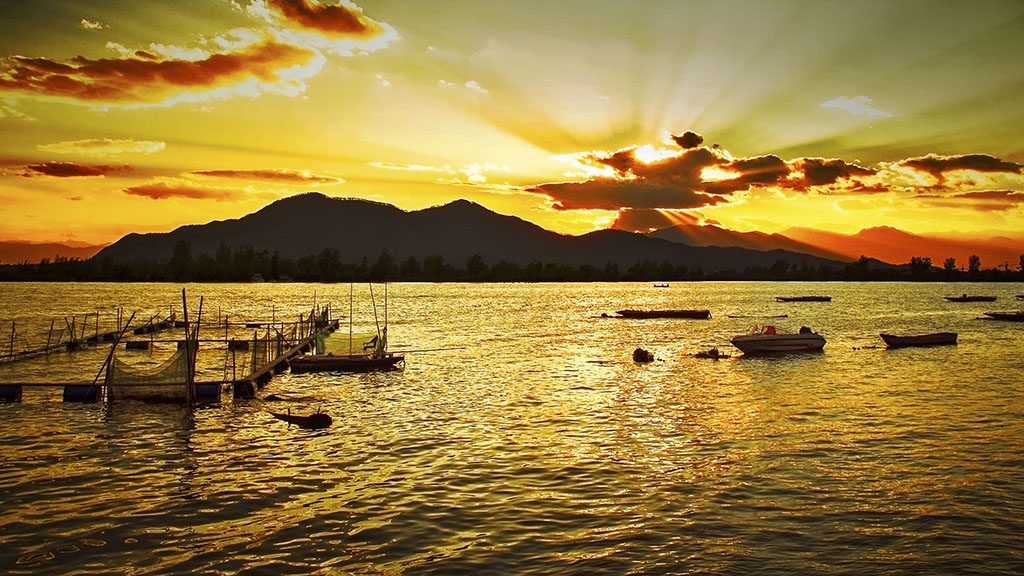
(769, 339)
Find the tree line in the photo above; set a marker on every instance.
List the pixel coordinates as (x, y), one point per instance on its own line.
(243, 264)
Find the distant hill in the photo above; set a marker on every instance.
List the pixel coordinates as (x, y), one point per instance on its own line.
(897, 247)
(18, 252)
(695, 235)
(306, 224)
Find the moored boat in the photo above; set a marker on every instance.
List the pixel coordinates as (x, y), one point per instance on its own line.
(771, 339)
(1020, 296)
(803, 298)
(935, 339)
(346, 363)
(967, 298)
(1017, 316)
(699, 314)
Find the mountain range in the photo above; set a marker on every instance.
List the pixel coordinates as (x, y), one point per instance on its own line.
(17, 252)
(306, 224)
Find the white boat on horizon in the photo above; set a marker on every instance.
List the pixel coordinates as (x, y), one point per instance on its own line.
(772, 339)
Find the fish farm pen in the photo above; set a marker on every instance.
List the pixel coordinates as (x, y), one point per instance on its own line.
(168, 359)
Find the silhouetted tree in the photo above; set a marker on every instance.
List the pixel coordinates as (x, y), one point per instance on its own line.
(920, 266)
(973, 266)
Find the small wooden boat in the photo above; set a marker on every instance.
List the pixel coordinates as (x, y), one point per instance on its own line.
(966, 298)
(771, 339)
(936, 339)
(346, 363)
(315, 421)
(803, 298)
(1020, 296)
(661, 285)
(1017, 316)
(699, 314)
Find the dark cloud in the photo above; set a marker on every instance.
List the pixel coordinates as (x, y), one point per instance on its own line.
(609, 194)
(282, 176)
(937, 166)
(335, 20)
(688, 139)
(72, 170)
(166, 190)
(762, 170)
(822, 171)
(145, 79)
(642, 220)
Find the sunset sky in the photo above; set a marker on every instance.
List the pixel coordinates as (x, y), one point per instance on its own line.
(142, 116)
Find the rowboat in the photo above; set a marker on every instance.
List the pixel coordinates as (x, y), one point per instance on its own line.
(771, 339)
(1017, 316)
(936, 339)
(966, 298)
(346, 363)
(700, 314)
(803, 298)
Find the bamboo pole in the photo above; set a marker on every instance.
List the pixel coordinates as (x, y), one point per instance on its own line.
(113, 347)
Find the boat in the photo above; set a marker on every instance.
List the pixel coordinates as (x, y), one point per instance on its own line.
(936, 339)
(661, 285)
(316, 421)
(700, 314)
(803, 298)
(966, 298)
(770, 339)
(1017, 316)
(1020, 296)
(352, 352)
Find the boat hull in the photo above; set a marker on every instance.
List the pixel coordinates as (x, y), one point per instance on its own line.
(776, 343)
(328, 363)
(936, 339)
(1007, 316)
(970, 298)
(803, 298)
(698, 314)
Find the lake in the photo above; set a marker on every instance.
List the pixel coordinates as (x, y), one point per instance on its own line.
(528, 441)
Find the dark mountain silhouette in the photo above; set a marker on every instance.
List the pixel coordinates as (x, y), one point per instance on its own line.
(307, 224)
(18, 252)
(710, 235)
(897, 247)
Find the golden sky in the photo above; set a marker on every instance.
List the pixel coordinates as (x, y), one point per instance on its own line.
(142, 116)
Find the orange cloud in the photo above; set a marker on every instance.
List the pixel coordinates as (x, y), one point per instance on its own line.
(279, 176)
(338, 20)
(985, 201)
(103, 146)
(72, 170)
(166, 190)
(148, 79)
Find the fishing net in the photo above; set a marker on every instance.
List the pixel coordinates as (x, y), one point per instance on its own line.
(356, 344)
(165, 382)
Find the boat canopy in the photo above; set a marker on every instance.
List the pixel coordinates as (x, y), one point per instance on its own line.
(354, 344)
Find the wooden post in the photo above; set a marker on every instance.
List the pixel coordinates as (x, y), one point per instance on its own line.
(189, 399)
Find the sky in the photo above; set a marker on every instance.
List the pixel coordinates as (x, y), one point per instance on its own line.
(142, 116)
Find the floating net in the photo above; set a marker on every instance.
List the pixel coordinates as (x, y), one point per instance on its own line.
(166, 382)
(356, 344)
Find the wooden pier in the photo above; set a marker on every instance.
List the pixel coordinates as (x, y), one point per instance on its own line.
(270, 353)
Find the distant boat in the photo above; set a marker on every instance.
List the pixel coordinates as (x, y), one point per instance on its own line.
(966, 298)
(771, 339)
(803, 298)
(936, 339)
(698, 314)
(1020, 296)
(661, 285)
(1017, 316)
